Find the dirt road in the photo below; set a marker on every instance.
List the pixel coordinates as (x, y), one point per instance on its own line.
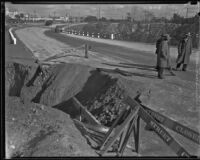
(150, 48)
(134, 52)
(44, 47)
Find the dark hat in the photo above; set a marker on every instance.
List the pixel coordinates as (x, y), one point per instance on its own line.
(188, 34)
(166, 36)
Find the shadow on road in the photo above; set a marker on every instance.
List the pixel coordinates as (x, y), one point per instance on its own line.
(127, 72)
(137, 66)
(140, 66)
(56, 57)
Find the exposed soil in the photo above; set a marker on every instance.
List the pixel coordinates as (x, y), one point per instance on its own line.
(55, 86)
(31, 88)
(100, 92)
(36, 129)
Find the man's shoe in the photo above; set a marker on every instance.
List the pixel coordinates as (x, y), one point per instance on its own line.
(156, 67)
(160, 77)
(184, 70)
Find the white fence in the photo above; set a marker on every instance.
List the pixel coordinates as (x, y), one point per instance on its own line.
(93, 35)
(14, 40)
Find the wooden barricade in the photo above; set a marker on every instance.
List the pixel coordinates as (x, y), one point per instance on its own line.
(131, 124)
(128, 122)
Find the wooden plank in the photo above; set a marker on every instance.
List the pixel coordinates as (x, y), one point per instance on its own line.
(124, 73)
(128, 134)
(115, 70)
(162, 133)
(120, 129)
(122, 137)
(97, 128)
(175, 126)
(112, 127)
(137, 134)
(85, 113)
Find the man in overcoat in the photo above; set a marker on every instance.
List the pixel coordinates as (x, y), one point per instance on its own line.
(184, 52)
(163, 56)
(158, 43)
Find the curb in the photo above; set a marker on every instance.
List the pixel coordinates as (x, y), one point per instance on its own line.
(14, 40)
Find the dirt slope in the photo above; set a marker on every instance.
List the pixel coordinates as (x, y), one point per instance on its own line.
(34, 130)
(102, 92)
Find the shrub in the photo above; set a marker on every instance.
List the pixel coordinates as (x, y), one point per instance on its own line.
(48, 23)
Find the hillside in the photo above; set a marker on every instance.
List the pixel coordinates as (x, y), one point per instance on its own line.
(140, 32)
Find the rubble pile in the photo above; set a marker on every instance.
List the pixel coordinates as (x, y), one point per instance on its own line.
(106, 107)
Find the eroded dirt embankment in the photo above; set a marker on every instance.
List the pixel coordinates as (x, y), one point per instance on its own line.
(101, 93)
(52, 90)
(34, 129)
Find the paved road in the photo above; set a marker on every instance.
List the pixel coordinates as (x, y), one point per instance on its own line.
(19, 52)
(137, 56)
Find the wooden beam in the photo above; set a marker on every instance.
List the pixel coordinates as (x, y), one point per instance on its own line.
(91, 119)
(160, 131)
(120, 129)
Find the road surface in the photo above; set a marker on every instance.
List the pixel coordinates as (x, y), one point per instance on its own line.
(136, 52)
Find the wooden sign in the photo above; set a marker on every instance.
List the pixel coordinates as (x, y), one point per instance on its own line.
(160, 131)
(175, 126)
(163, 134)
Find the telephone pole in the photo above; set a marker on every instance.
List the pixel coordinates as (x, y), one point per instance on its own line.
(34, 15)
(54, 14)
(99, 13)
(187, 12)
(199, 25)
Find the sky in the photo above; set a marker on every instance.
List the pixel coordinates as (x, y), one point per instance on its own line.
(106, 10)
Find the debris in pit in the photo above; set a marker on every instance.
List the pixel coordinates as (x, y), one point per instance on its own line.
(107, 106)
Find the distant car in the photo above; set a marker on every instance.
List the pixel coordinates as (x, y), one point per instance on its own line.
(59, 29)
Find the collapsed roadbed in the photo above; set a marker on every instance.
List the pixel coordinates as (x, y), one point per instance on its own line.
(40, 108)
(54, 87)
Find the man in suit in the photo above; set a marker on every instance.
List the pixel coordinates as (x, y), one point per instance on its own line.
(158, 42)
(184, 52)
(163, 56)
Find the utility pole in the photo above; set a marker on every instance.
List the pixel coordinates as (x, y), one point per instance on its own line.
(54, 13)
(166, 22)
(99, 13)
(187, 12)
(134, 13)
(79, 17)
(144, 16)
(199, 25)
(35, 14)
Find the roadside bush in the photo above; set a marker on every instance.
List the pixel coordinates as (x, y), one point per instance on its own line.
(48, 23)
